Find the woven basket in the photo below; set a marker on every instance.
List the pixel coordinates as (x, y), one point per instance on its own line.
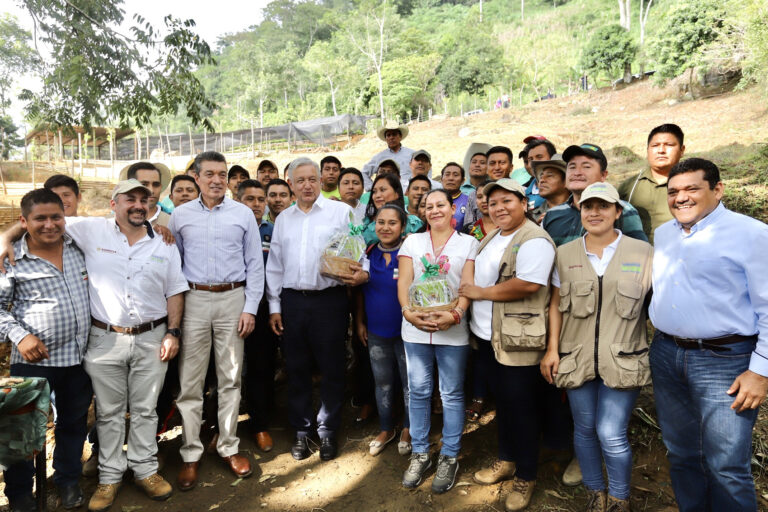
(443, 307)
(335, 266)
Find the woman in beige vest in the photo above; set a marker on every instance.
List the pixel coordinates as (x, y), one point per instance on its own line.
(597, 347)
(509, 316)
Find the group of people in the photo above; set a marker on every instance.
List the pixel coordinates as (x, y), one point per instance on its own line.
(554, 279)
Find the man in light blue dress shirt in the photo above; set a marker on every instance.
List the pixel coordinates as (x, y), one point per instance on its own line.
(392, 134)
(219, 242)
(710, 310)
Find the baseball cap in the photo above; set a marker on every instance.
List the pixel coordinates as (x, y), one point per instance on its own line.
(420, 153)
(506, 184)
(125, 186)
(532, 138)
(390, 162)
(556, 162)
(600, 190)
(586, 149)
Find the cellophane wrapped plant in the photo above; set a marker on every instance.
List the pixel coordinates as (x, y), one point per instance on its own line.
(432, 292)
(343, 249)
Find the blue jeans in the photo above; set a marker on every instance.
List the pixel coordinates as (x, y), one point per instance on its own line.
(70, 395)
(451, 362)
(600, 419)
(389, 372)
(709, 444)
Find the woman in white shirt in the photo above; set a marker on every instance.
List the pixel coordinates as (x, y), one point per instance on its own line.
(436, 336)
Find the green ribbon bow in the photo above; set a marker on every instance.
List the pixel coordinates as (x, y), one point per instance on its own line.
(356, 230)
(430, 269)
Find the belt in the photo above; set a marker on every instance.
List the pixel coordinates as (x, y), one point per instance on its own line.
(716, 344)
(311, 293)
(224, 287)
(136, 329)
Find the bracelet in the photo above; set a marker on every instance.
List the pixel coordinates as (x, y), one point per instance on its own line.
(461, 310)
(406, 308)
(456, 317)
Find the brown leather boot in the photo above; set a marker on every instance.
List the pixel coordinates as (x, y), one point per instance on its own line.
(596, 501)
(617, 505)
(187, 479)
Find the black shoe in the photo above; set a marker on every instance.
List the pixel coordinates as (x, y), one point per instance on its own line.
(24, 503)
(300, 449)
(328, 448)
(71, 496)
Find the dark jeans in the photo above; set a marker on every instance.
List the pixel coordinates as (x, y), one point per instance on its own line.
(259, 378)
(556, 419)
(168, 393)
(483, 361)
(70, 395)
(709, 444)
(387, 359)
(517, 389)
(364, 393)
(315, 325)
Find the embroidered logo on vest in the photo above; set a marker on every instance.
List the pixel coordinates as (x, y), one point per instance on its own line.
(631, 267)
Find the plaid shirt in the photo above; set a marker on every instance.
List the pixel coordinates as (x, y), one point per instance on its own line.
(37, 298)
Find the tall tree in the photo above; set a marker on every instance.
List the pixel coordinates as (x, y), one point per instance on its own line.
(95, 74)
(369, 30)
(17, 57)
(625, 14)
(325, 61)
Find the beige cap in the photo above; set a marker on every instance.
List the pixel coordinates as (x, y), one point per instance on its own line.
(556, 162)
(600, 190)
(125, 186)
(506, 184)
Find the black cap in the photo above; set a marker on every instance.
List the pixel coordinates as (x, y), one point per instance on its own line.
(586, 149)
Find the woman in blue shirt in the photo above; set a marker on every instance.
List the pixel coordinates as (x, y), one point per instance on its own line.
(378, 321)
(386, 189)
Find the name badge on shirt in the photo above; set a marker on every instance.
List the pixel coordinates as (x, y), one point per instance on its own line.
(157, 259)
(635, 268)
(396, 273)
(84, 274)
(108, 251)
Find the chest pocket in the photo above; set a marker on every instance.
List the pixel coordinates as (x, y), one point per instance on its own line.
(582, 298)
(151, 271)
(629, 295)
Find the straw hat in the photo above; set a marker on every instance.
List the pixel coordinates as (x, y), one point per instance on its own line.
(391, 125)
(165, 174)
(474, 148)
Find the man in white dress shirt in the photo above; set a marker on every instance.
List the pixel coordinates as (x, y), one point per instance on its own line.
(308, 310)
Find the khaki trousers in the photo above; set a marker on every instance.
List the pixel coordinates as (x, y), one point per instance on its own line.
(127, 374)
(210, 318)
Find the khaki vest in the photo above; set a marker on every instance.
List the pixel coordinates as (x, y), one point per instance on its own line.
(519, 327)
(603, 331)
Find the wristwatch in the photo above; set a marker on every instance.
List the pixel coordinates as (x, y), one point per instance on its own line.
(174, 332)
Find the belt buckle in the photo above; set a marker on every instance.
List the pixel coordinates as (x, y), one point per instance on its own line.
(131, 330)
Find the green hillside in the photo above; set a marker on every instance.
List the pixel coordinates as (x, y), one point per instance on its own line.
(452, 56)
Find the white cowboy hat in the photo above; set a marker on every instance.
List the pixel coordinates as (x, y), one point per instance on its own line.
(474, 148)
(391, 125)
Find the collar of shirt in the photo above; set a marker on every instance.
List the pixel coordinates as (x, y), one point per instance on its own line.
(600, 263)
(710, 219)
(24, 248)
(647, 174)
(222, 204)
(155, 216)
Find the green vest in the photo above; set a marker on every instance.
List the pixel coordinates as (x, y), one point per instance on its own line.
(519, 327)
(604, 330)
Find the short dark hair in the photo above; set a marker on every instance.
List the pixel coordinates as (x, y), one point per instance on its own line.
(62, 180)
(351, 170)
(453, 164)
(419, 177)
(540, 142)
(249, 183)
(711, 172)
(39, 196)
(500, 149)
(278, 182)
(478, 153)
(140, 166)
(668, 128)
(237, 169)
(394, 182)
(329, 159)
(389, 163)
(184, 177)
(208, 156)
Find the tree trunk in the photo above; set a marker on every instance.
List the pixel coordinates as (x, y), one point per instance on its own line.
(627, 73)
(522, 10)
(381, 94)
(333, 96)
(2, 179)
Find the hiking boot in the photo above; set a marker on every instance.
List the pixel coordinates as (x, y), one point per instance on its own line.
(572, 474)
(420, 463)
(445, 476)
(495, 473)
(617, 505)
(596, 501)
(71, 496)
(103, 498)
(520, 497)
(156, 487)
